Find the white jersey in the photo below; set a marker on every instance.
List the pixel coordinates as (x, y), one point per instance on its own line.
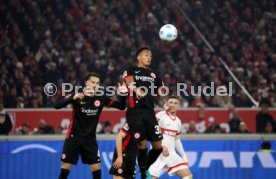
(170, 128)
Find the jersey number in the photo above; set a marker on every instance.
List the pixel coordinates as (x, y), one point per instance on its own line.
(157, 129)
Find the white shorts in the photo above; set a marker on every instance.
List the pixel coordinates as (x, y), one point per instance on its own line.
(171, 163)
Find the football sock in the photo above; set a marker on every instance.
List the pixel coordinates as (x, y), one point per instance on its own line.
(63, 173)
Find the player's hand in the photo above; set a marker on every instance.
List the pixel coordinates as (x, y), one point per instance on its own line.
(122, 88)
(89, 92)
(165, 151)
(78, 96)
(118, 163)
(139, 93)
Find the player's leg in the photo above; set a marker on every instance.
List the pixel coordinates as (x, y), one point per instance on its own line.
(137, 130)
(117, 172)
(156, 168)
(69, 156)
(64, 171)
(130, 164)
(96, 170)
(176, 165)
(90, 155)
(184, 173)
(155, 135)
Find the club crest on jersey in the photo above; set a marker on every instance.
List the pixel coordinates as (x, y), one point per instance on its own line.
(137, 135)
(120, 171)
(63, 156)
(153, 75)
(97, 103)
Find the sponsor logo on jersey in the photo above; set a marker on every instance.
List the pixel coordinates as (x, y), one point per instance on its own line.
(89, 112)
(169, 132)
(144, 78)
(97, 103)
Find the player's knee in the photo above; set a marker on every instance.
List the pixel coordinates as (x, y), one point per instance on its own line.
(95, 167)
(66, 166)
(142, 144)
(157, 145)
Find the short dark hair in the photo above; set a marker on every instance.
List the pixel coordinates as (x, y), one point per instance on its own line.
(173, 97)
(141, 49)
(92, 75)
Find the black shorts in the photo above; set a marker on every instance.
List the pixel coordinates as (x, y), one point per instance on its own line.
(87, 148)
(128, 169)
(143, 124)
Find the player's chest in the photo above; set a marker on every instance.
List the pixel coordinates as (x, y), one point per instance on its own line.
(170, 125)
(144, 77)
(91, 107)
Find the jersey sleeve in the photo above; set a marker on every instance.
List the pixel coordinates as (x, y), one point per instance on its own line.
(179, 127)
(121, 104)
(128, 73)
(125, 128)
(159, 117)
(64, 102)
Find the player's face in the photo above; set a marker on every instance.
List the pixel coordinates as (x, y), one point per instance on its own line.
(93, 82)
(173, 105)
(144, 58)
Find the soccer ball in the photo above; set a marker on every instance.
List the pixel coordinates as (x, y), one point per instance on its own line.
(168, 32)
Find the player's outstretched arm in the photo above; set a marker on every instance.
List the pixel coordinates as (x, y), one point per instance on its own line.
(119, 161)
(121, 102)
(179, 147)
(67, 100)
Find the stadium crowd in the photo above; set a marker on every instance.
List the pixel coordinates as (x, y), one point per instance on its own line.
(55, 41)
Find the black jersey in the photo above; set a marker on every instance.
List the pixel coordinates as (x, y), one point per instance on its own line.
(129, 143)
(143, 78)
(86, 113)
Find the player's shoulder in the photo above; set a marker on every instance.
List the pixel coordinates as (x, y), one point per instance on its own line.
(178, 119)
(160, 114)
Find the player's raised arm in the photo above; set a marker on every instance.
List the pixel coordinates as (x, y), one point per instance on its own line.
(121, 102)
(119, 161)
(130, 83)
(67, 100)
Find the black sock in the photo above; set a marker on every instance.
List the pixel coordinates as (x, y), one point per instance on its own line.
(63, 173)
(97, 174)
(152, 156)
(142, 156)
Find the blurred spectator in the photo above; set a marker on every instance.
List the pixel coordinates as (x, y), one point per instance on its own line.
(44, 128)
(192, 128)
(61, 130)
(243, 128)
(62, 43)
(106, 128)
(211, 126)
(263, 117)
(5, 122)
(269, 128)
(234, 121)
(24, 129)
(266, 147)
